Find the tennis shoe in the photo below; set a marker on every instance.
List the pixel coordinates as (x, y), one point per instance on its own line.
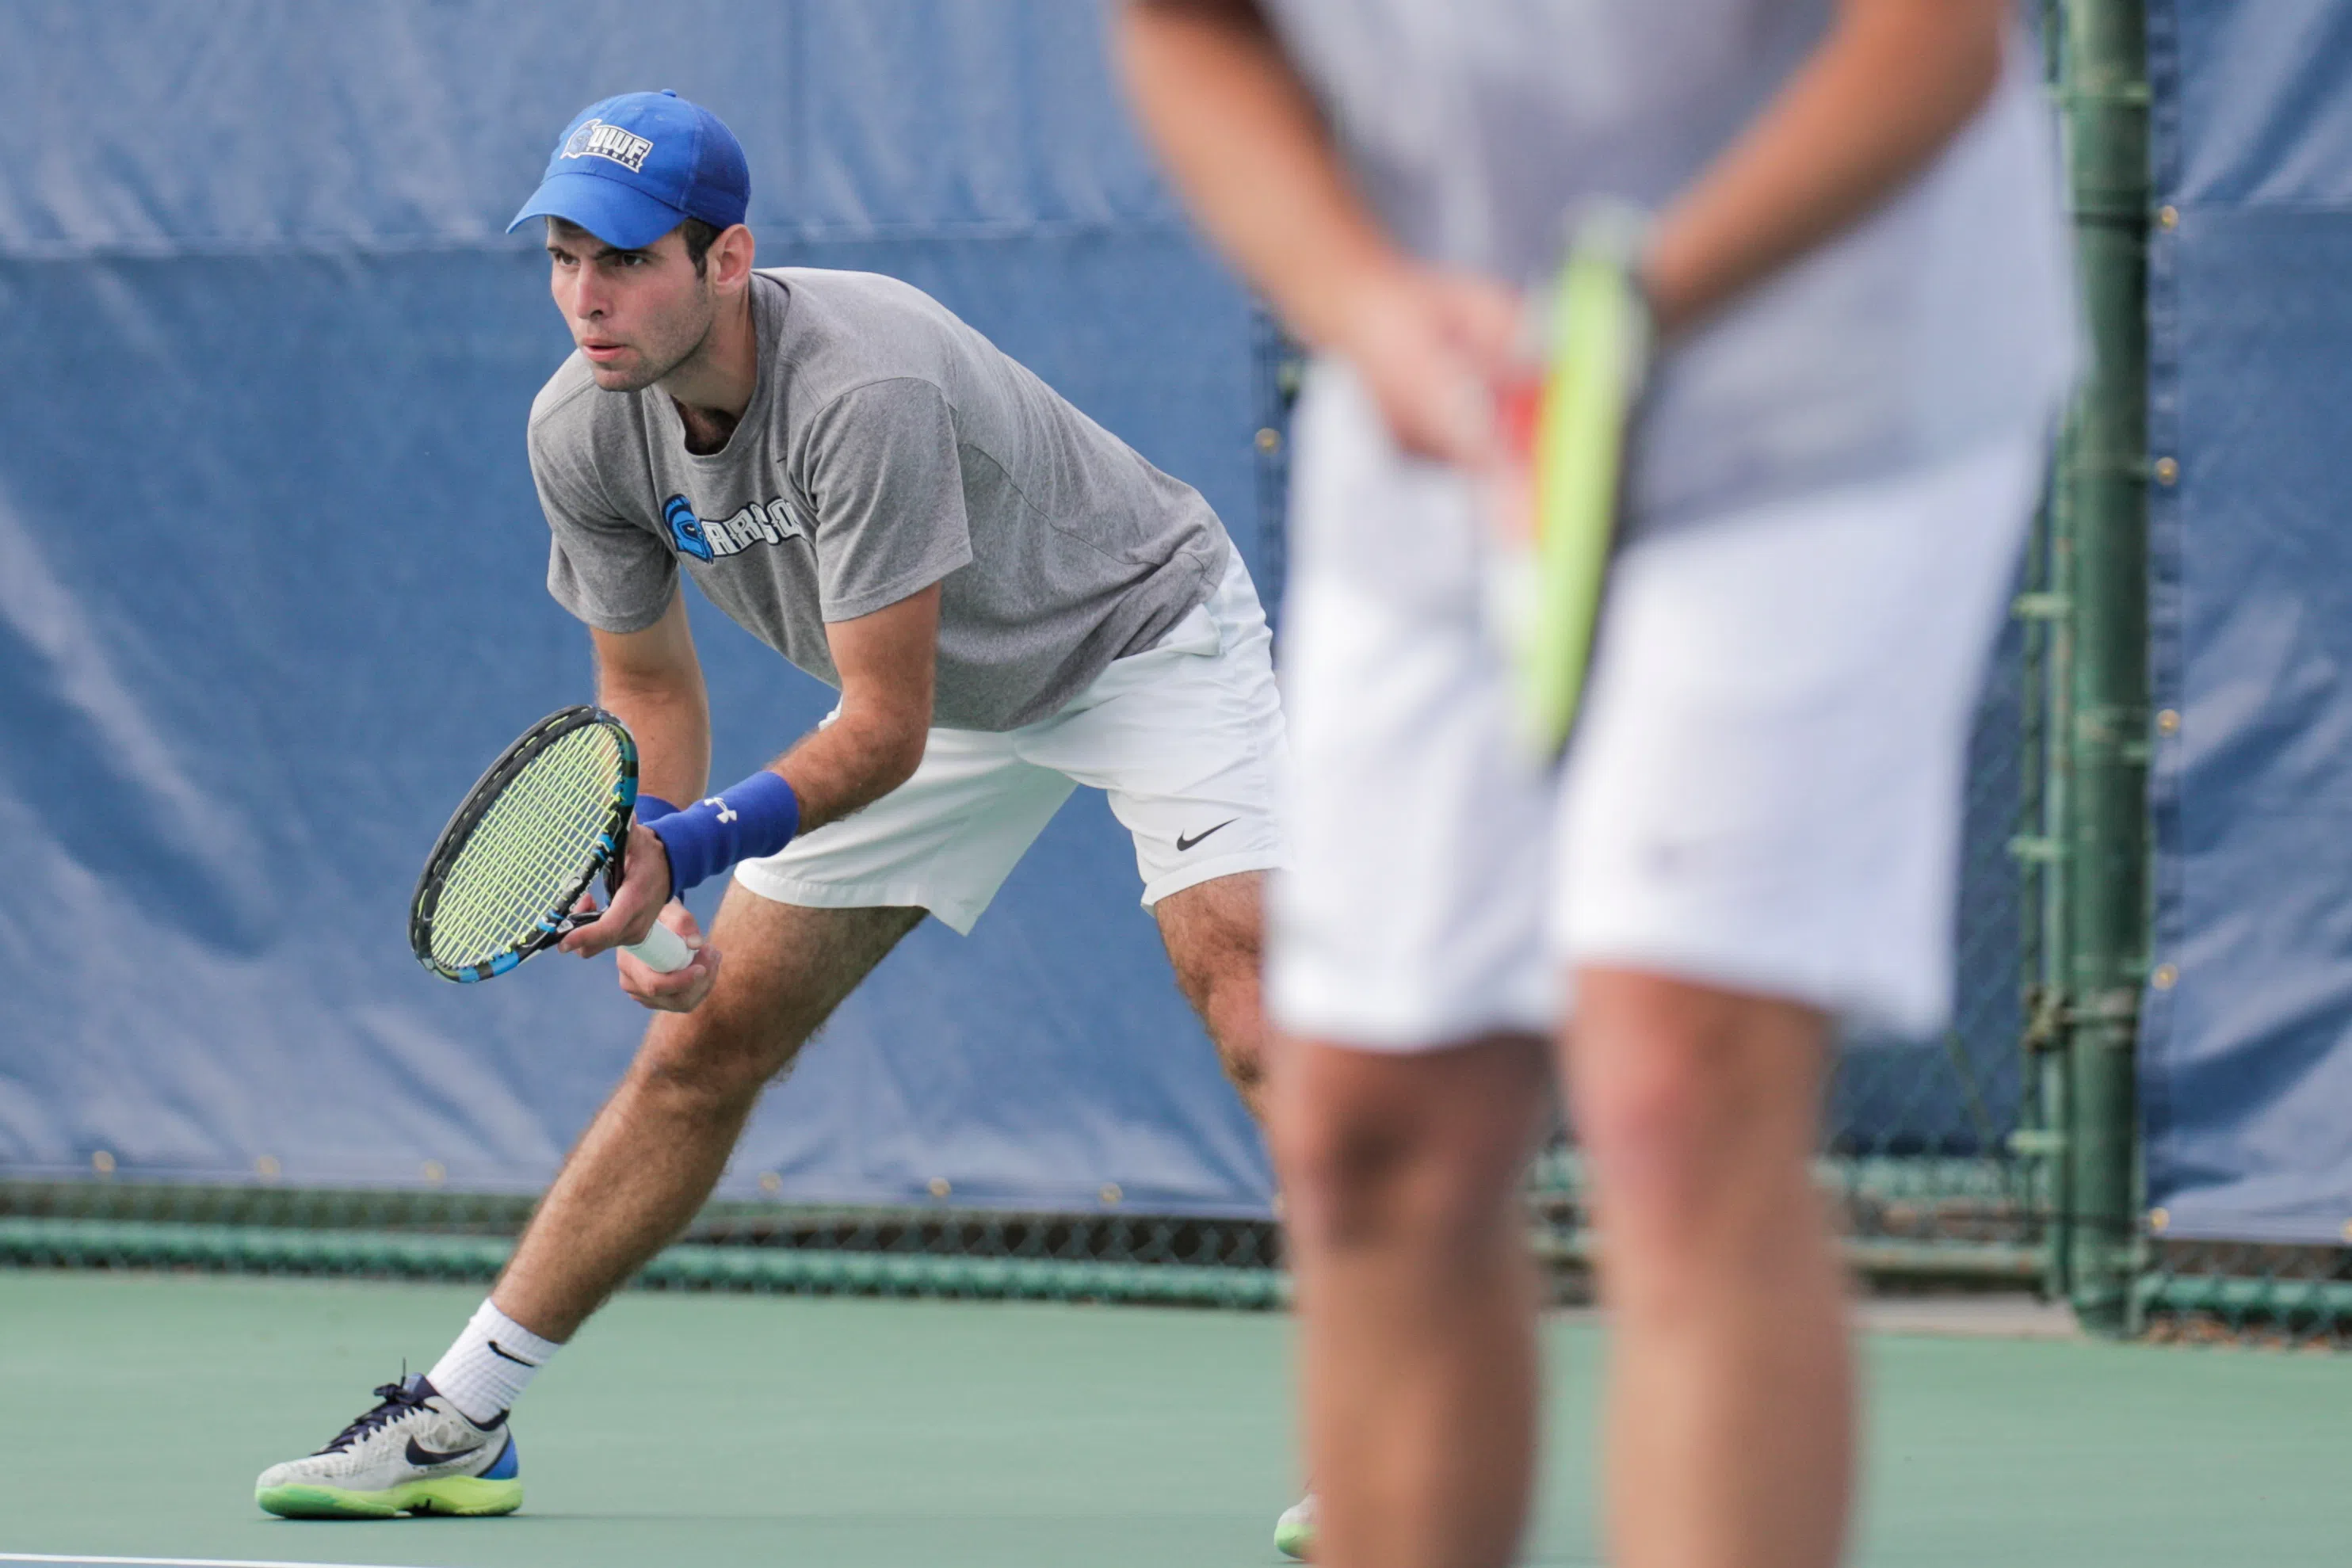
(1294, 1532)
(413, 1453)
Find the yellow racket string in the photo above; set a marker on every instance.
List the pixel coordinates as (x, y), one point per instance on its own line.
(529, 848)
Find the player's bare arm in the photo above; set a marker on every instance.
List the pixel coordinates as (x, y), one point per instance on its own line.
(1889, 85)
(652, 681)
(872, 745)
(1242, 135)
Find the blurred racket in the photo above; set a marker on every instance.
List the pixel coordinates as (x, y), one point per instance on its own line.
(505, 876)
(1564, 428)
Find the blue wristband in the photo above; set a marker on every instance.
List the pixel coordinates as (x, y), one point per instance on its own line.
(652, 806)
(756, 817)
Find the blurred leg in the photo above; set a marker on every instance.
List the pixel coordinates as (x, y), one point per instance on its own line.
(1731, 1398)
(1417, 1296)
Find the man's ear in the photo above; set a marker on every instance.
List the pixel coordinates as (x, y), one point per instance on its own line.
(731, 257)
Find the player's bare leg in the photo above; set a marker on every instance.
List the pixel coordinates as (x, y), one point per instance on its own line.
(648, 1161)
(1214, 933)
(1730, 1410)
(1416, 1295)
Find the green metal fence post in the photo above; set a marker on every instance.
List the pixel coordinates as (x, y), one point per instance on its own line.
(2100, 531)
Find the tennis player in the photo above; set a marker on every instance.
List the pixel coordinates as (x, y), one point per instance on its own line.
(1856, 265)
(1010, 600)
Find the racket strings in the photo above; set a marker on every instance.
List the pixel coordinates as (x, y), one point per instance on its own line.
(522, 859)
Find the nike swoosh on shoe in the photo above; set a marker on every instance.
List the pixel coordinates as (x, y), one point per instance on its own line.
(424, 1457)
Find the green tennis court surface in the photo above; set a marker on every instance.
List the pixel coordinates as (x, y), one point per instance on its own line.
(135, 1410)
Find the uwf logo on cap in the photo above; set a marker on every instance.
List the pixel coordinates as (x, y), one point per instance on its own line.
(629, 169)
(597, 139)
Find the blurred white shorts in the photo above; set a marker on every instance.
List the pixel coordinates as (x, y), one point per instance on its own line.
(1764, 791)
(1186, 739)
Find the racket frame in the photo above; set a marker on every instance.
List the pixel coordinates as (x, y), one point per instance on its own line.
(1599, 332)
(455, 834)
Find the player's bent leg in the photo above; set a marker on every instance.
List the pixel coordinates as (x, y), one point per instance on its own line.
(1731, 1398)
(1215, 934)
(641, 1171)
(650, 1158)
(1415, 1293)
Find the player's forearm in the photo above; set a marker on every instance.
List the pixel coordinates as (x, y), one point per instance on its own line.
(850, 764)
(1889, 87)
(671, 725)
(652, 681)
(1242, 136)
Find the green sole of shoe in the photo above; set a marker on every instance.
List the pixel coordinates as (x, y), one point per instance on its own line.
(466, 1497)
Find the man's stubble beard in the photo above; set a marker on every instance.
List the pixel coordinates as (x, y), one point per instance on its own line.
(653, 371)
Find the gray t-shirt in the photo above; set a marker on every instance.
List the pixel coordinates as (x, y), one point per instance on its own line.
(887, 447)
(1942, 319)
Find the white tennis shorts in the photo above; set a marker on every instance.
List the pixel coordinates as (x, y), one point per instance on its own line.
(1186, 739)
(1764, 792)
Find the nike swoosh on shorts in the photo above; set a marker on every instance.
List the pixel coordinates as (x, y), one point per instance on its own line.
(1183, 843)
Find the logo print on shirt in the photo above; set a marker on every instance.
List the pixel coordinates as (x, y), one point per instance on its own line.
(598, 140)
(685, 528)
(769, 522)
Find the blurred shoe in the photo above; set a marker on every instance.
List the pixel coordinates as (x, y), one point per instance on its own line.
(1294, 1532)
(413, 1453)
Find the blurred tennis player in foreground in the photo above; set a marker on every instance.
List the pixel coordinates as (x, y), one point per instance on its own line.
(1855, 264)
(1011, 603)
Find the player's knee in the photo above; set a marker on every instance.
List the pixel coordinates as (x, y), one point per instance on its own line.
(1382, 1170)
(1221, 985)
(1689, 1146)
(718, 1061)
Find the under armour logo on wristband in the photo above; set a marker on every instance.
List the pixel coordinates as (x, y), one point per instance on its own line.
(752, 819)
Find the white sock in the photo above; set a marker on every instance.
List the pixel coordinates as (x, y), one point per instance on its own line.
(491, 1364)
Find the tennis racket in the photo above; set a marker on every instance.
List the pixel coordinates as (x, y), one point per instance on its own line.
(552, 811)
(1565, 429)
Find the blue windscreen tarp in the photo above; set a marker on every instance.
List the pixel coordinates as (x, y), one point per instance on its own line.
(2246, 1063)
(271, 581)
(271, 595)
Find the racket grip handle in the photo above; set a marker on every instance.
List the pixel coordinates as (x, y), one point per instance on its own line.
(662, 949)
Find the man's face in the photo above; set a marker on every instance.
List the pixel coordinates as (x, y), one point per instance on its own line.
(636, 315)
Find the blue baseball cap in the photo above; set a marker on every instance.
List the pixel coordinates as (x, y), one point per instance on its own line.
(633, 168)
